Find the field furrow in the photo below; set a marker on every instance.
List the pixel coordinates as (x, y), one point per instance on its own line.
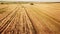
(30, 19)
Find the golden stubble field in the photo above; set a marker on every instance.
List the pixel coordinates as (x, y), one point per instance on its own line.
(40, 18)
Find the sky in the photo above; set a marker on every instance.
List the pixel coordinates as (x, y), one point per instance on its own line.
(35, 0)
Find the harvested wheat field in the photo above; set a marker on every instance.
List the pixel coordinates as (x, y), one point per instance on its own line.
(37, 18)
